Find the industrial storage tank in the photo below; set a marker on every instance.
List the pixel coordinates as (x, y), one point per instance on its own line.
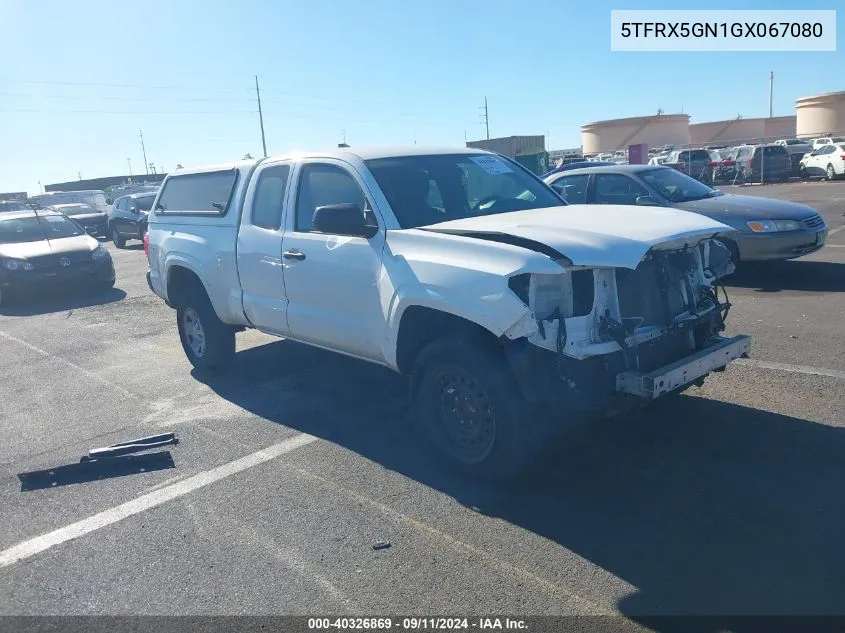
(821, 114)
(615, 134)
(739, 130)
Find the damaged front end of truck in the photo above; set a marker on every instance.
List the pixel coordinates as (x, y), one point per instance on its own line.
(609, 338)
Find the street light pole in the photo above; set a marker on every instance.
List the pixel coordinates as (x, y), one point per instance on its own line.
(260, 117)
(144, 151)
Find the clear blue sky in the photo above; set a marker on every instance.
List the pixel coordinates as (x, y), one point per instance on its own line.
(79, 79)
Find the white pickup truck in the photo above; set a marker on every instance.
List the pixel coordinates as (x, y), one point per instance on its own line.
(456, 267)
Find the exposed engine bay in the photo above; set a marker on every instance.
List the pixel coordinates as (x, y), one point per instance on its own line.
(602, 322)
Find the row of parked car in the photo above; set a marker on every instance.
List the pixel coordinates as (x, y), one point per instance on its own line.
(123, 219)
(822, 157)
(772, 162)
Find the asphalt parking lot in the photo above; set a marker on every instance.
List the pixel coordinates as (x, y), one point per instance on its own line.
(729, 501)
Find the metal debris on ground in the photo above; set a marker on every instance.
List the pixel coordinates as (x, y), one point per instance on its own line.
(130, 447)
(380, 544)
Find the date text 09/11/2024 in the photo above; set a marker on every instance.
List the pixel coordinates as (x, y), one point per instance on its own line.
(416, 624)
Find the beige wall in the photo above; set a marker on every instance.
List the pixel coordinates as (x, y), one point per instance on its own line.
(741, 130)
(821, 114)
(608, 136)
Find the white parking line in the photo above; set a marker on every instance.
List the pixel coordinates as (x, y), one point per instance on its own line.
(836, 230)
(81, 370)
(44, 542)
(834, 245)
(795, 369)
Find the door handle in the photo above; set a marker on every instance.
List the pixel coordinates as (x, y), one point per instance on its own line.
(294, 254)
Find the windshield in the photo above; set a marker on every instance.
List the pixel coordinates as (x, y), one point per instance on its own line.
(35, 229)
(675, 186)
(12, 206)
(426, 190)
(145, 203)
(80, 210)
(95, 199)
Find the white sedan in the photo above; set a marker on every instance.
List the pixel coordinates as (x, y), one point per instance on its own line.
(826, 161)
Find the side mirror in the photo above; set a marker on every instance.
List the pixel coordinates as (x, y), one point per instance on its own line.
(342, 219)
(561, 189)
(646, 201)
(91, 230)
(133, 208)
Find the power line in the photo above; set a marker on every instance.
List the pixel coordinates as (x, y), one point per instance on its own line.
(230, 88)
(111, 85)
(132, 112)
(109, 98)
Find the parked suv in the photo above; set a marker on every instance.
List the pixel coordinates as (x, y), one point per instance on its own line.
(128, 217)
(756, 163)
(827, 161)
(696, 163)
(457, 267)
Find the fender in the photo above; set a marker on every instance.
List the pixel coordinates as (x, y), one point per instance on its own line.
(496, 313)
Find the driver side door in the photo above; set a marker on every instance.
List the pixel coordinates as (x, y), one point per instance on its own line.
(332, 281)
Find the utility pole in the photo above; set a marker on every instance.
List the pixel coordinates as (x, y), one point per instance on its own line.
(144, 151)
(79, 173)
(486, 118)
(260, 117)
(130, 167)
(771, 91)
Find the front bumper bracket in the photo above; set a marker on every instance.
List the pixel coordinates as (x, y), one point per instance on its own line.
(685, 371)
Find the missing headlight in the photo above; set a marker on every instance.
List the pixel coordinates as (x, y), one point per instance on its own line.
(569, 294)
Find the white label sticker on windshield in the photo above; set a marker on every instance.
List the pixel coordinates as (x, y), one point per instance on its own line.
(491, 164)
(54, 218)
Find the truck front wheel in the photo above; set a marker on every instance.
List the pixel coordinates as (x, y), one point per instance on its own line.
(470, 408)
(208, 342)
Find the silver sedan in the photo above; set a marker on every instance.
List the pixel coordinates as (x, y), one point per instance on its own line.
(767, 228)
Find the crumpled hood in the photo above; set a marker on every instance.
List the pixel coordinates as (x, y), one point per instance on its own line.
(744, 208)
(616, 236)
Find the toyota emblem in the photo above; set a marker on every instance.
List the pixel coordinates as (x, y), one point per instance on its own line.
(64, 261)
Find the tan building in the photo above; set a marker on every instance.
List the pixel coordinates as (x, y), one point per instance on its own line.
(615, 134)
(737, 131)
(821, 114)
(510, 146)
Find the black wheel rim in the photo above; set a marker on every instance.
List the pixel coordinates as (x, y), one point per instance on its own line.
(464, 416)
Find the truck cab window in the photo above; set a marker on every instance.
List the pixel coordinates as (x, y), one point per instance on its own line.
(269, 197)
(321, 185)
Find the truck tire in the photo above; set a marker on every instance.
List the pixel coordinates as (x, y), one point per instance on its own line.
(470, 409)
(209, 343)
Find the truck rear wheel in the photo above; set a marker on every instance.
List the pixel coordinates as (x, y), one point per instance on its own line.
(470, 408)
(208, 342)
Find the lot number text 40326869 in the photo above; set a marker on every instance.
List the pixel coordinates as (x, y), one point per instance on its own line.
(406, 623)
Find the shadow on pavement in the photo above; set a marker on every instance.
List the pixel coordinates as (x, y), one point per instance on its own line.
(58, 301)
(95, 470)
(798, 274)
(705, 507)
